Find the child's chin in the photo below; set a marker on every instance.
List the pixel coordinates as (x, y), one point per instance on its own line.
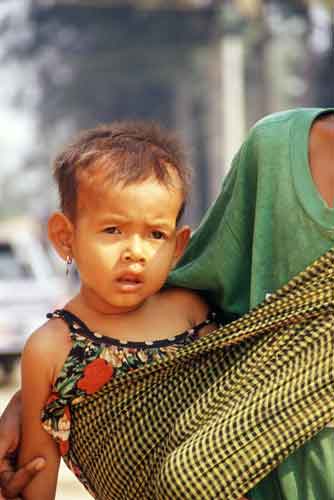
(127, 303)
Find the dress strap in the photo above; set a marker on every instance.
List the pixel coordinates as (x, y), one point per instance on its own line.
(69, 318)
(78, 328)
(75, 324)
(211, 318)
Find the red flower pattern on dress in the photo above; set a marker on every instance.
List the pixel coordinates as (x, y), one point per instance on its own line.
(64, 446)
(96, 374)
(53, 397)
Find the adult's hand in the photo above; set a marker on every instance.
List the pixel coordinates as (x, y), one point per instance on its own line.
(12, 482)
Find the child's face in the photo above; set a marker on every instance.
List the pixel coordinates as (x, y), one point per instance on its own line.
(125, 241)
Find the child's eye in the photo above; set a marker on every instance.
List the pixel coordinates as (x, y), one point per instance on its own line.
(158, 235)
(112, 230)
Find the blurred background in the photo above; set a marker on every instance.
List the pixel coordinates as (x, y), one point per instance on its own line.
(207, 68)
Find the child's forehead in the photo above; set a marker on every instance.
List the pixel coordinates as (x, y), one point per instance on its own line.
(105, 175)
(98, 192)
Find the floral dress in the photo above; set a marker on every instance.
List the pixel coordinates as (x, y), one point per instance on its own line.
(92, 361)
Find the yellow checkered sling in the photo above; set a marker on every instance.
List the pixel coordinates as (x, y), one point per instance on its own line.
(228, 409)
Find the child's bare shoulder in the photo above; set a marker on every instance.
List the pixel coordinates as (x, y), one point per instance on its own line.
(185, 295)
(47, 347)
(188, 302)
(48, 336)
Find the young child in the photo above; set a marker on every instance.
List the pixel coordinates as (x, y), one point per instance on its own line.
(122, 189)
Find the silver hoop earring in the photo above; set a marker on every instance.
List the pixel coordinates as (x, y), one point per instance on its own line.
(69, 261)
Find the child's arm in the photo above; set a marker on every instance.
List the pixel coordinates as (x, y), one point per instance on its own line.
(37, 375)
(13, 482)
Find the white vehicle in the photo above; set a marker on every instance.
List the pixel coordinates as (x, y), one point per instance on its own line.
(29, 287)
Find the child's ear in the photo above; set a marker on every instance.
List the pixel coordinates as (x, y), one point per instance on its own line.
(182, 240)
(60, 232)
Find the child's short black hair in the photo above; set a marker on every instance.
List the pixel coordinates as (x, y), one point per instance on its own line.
(124, 152)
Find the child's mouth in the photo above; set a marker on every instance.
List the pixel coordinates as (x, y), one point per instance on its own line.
(129, 282)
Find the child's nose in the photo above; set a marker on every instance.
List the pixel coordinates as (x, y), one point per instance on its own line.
(135, 250)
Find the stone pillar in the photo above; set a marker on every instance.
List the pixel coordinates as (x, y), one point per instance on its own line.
(233, 97)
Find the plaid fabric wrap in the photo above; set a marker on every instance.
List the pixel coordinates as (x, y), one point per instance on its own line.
(229, 408)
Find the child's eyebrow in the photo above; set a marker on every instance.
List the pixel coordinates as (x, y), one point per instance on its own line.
(158, 222)
(161, 224)
(113, 217)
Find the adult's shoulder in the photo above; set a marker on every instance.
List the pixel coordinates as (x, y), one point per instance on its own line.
(282, 119)
(270, 136)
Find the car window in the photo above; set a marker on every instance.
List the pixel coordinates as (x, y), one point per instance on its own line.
(11, 267)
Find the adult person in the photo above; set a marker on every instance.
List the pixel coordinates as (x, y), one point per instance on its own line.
(273, 217)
